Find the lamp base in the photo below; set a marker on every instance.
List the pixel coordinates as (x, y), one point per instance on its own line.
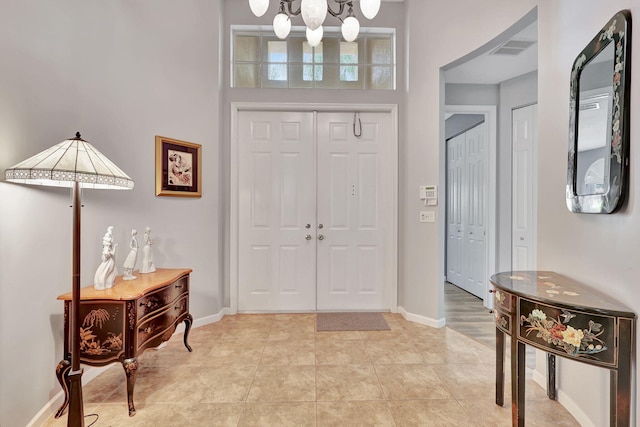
(75, 417)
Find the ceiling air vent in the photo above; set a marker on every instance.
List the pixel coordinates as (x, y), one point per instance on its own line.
(512, 47)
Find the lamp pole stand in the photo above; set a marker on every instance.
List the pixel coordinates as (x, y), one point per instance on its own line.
(76, 411)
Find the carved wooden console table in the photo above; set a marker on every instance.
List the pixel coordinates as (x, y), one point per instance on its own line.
(564, 318)
(121, 322)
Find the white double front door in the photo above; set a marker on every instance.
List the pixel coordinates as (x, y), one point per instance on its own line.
(314, 208)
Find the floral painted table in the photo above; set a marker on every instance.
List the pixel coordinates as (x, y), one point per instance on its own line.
(564, 318)
(119, 323)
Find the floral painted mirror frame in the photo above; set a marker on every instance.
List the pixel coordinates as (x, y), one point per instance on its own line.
(612, 195)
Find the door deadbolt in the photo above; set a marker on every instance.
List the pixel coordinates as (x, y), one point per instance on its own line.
(320, 226)
(320, 237)
(308, 237)
(307, 226)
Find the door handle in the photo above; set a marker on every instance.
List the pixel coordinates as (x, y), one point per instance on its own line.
(320, 226)
(308, 237)
(522, 238)
(307, 226)
(320, 237)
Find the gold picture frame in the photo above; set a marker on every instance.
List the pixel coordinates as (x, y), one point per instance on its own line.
(178, 168)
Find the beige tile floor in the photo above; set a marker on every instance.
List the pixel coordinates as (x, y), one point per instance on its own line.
(276, 370)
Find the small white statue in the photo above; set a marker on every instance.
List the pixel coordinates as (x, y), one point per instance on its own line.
(107, 270)
(147, 253)
(130, 261)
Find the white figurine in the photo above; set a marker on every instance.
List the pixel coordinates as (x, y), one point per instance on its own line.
(107, 270)
(147, 253)
(130, 262)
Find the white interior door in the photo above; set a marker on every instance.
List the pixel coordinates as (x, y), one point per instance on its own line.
(524, 124)
(475, 241)
(313, 204)
(467, 187)
(455, 210)
(276, 202)
(352, 211)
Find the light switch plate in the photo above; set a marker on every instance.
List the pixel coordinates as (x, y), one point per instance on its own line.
(427, 216)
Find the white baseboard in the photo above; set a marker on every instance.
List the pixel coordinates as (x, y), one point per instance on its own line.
(423, 320)
(91, 372)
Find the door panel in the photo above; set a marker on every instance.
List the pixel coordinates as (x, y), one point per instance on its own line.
(455, 227)
(351, 261)
(276, 181)
(524, 193)
(475, 227)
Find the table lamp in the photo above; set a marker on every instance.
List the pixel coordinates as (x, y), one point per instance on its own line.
(73, 163)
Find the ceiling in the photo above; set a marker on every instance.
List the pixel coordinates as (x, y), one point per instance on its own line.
(509, 55)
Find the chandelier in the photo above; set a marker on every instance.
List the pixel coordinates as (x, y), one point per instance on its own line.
(314, 13)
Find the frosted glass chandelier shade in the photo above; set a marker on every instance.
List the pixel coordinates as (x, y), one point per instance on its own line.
(282, 25)
(350, 28)
(72, 160)
(313, 12)
(369, 8)
(314, 37)
(259, 7)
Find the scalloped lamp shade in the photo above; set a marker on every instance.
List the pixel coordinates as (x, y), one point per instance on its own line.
(67, 162)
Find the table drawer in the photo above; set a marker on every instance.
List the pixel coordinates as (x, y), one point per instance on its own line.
(572, 333)
(502, 300)
(157, 300)
(163, 323)
(503, 321)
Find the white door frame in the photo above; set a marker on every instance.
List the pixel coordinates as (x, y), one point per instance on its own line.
(490, 117)
(392, 234)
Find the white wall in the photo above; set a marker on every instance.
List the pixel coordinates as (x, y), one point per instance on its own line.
(437, 33)
(120, 72)
(600, 250)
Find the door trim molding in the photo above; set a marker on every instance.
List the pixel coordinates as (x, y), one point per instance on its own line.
(236, 108)
(490, 114)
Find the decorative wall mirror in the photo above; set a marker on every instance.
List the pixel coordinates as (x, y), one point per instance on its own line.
(599, 120)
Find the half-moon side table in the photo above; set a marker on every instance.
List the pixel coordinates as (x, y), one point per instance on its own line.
(564, 318)
(119, 323)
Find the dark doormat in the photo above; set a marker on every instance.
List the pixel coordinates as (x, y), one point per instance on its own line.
(351, 322)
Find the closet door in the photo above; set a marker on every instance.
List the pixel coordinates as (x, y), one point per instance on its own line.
(475, 242)
(467, 171)
(455, 210)
(277, 212)
(352, 210)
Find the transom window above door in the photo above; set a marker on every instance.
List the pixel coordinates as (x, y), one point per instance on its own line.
(261, 60)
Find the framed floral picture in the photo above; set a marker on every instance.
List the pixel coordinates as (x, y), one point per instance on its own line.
(178, 168)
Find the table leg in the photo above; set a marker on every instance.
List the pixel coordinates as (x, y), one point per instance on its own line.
(130, 369)
(62, 373)
(620, 393)
(187, 327)
(500, 348)
(518, 376)
(551, 376)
